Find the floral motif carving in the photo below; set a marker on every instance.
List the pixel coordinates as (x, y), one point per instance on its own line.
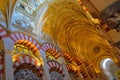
(26, 74)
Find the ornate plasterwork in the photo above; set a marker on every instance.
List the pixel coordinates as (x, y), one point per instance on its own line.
(72, 31)
(30, 6)
(21, 19)
(26, 74)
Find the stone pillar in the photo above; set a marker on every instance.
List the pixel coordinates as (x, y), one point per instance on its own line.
(8, 64)
(45, 68)
(43, 76)
(8, 67)
(65, 71)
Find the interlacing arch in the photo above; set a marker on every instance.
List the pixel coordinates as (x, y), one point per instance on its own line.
(25, 40)
(21, 36)
(54, 65)
(47, 47)
(72, 69)
(19, 59)
(79, 62)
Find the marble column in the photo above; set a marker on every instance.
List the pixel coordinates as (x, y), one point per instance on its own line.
(45, 68)
(8, 67)
(65, 71)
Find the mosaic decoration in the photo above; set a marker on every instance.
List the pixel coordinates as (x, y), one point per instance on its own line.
(26, 74)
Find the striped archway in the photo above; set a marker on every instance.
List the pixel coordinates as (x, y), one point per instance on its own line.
(27, 41)
(54, 65)
(21, 36)
(26, 45)
(70, 68)
(73, 71)
(47, 47)
(67, 56)
(19, 59)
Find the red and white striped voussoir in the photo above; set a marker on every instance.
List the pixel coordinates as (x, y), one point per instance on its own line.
(3, 33)
(46, 46)
(69, 67)
(52, 49)
(20, 36)
(27, 60)
(1, 63)
(54, 64)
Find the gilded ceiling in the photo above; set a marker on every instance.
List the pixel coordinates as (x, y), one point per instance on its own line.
(73, 32)
(69, 29)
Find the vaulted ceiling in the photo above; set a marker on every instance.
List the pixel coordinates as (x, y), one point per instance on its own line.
(66, 25)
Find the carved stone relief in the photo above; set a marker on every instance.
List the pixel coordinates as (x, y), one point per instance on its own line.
(25, 74)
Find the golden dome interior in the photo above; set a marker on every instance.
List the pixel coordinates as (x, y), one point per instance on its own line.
(73, 32)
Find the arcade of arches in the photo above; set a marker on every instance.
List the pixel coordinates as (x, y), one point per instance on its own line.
(59, 40)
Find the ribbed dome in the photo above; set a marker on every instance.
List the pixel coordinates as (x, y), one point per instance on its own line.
(72, 31)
